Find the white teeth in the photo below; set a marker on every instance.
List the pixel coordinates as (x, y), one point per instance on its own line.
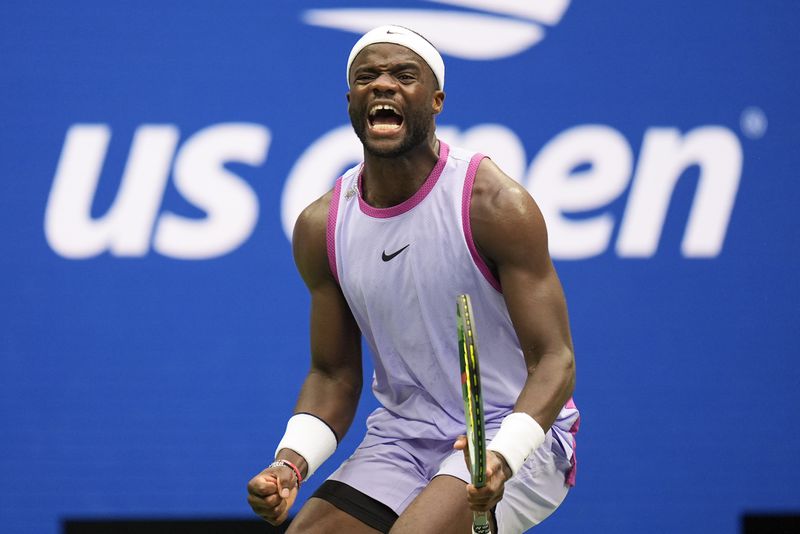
(378, 107)
(385, 127)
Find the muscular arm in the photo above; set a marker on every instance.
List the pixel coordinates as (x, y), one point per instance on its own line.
(332, 388)
(510, 234)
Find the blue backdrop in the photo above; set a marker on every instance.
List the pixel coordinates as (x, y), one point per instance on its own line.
(153, 156)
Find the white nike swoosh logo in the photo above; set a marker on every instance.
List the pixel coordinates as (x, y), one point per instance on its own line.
(462, 34)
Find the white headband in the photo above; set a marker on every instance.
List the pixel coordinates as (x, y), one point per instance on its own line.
(403, 37)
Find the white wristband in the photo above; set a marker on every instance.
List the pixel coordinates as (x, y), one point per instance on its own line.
(311, 438)
(518, 437)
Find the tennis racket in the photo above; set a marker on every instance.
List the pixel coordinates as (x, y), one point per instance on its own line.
(473, 404)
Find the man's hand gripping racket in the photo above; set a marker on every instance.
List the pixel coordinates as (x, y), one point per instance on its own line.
(473, 405)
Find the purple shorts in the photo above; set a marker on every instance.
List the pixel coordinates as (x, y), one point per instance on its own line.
(395, 472)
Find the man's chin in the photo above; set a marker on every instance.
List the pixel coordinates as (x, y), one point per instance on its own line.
(390, 146)
(385, 148)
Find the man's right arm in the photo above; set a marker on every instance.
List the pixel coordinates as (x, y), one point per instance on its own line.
(332, 387)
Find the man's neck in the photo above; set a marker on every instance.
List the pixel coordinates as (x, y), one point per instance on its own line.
(387, 182)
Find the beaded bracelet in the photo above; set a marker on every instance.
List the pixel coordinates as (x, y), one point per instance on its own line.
(290, 465)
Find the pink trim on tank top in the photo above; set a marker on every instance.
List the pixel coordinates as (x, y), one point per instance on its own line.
(330, 230)
(466, 202)
(416, 198)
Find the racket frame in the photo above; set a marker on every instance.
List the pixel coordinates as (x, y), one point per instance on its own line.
(473, 402)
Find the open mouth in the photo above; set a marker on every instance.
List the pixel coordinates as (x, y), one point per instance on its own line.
(385, 118)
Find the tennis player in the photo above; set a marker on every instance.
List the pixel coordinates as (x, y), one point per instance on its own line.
(384, 254)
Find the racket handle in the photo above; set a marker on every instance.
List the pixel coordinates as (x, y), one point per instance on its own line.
(480, 523)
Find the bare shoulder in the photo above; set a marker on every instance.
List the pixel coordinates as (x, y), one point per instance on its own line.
(494, 186)
(309, 242)
(504, 217)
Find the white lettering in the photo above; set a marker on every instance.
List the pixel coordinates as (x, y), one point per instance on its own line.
(575, 178)
(560, 186)
(229, 202)
(126, 228)
(664, 158)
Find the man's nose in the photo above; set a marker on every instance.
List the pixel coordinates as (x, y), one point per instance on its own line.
(384, 82)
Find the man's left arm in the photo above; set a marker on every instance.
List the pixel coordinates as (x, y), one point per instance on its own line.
(510, 234)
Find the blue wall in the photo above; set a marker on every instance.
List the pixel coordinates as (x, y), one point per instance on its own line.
(153, 154)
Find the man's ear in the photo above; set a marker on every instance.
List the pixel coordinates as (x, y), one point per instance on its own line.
(438, 102)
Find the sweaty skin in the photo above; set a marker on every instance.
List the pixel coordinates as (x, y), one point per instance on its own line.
(510, 234)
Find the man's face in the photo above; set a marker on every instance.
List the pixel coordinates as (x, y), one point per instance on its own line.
(392, 100)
